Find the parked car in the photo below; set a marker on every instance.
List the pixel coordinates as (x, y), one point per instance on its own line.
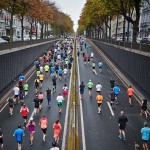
(119, 39)
(3, 41)
(15, 38)
(26, 38)
(146, 40)
(6, 38)
(138, 40)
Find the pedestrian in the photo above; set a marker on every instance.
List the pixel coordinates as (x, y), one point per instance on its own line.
(31, 128)
(48, 95)
(24, 112)
(1, 139)
(21, 98)
(40, 97)
(41, 69)
(122, 120)
(11, 105)
(43, 124)
(116, 90)
(98, 88)
(112, 98)
(130, 93)
(65, 71)
(78, 54)
(82, 86)
(57, 129)
(92, 55)
(88, 59)
(54, 147)
(41, 78)
(26, 89)
(37, 82)
(59, 100)
(65, 91)
(145, 131)
(36, 102)
(54, 79)
(100, 65)
(99, 99)
(112, 82)
(60, 72)
(16, 93)
(69, 66)
(85, 58)
(46, 69)
(144, 108)
(93, 67)
(19, 133)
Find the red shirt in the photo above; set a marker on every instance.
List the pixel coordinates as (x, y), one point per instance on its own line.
(24, 111)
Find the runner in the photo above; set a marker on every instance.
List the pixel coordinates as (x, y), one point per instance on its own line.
(57, 129)
(37, 82)
(92, 55)
(59, 100)
(78, 54)
(48, 95)
(41, 77)
(144, 108)
(19, 133)
(43, 123)
(130, 93)
(82, 86)
(37, 64)
(52, 71)
(54, 83)
(21, 98)
(65, 71)
(41, 69)
(1, 139)
(46, 69)
(21, 77)
(20, 85)
(26, 89)
(100, 65)
(99, 99)
(122, 120)
(40, 97)
(24, 112)
(98, 88)
(112, 82)
(85, 58)
(69, 67)
(11, 105)
(145, 131)
(16, 91)
(38, 73)
(54, 147)
(89, 59)
(112, 98)
(90, 86)
(36, 102)
(65, 91)
(31, 128)
(116, 90)
(93, 67)
(60, 72)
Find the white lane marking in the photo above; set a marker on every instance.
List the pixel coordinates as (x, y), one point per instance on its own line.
(66, 116)
(31, 115)
(8, 98)
(81, 113)
(110, 108)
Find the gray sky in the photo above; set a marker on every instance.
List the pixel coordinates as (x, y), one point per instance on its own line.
(72, 8)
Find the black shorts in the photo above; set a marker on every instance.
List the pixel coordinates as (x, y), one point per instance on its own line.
(41, 81)
(130, 96)
(60, 75)
(11, 106)
(41, 101)
(16, 96)
(99, 104)
(46, 71)
(122, 127)
(99, 92)
(36, 86)
(44, 130)
(144, 141)
(93, 67)
(1, 141)
(19, 142)
(90, 89)
(24, 117)
(36, 106)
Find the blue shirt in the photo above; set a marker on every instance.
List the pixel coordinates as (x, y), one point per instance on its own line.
(51, 63)
(145, 133)
(22, 77)
(36, 62)
(19, 133)
(100, 64)
(116, 90)
(60, 71)
(52, 69)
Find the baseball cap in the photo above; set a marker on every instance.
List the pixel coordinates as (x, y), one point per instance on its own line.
(90, 80)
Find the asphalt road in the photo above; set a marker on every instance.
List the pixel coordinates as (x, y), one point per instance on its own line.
(101, 131)
(10, 123)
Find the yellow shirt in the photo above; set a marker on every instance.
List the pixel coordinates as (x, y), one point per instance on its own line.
(41, 77)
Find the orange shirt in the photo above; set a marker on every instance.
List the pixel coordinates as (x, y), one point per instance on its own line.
(130, 91)
(43, 123)
(99, 98)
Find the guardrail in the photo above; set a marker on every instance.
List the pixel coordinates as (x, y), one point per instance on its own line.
(131, 45)
(16, 44)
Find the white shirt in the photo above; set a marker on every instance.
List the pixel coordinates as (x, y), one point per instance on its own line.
(59, 98)
(54, 148)
(65, 88)
(92, 54)
(58, 56)
(98, 87)
(41, 68)
(65, 71)
(16, 90)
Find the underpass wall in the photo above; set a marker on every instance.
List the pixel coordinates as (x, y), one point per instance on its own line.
(14, 63)
(134, 65)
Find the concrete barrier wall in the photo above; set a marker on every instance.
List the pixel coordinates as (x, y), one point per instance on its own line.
(12, 64)
(136, 66)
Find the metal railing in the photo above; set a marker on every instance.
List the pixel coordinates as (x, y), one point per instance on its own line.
(131, 45)
(16, 44)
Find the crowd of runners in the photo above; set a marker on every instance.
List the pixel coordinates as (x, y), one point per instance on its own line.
(56, 65)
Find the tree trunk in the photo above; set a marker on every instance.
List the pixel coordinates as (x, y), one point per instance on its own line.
(135, 31)
(110, 28)
(22, 28)
(45, 32)
(42, 30)
(11, 26)
(124, 26)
